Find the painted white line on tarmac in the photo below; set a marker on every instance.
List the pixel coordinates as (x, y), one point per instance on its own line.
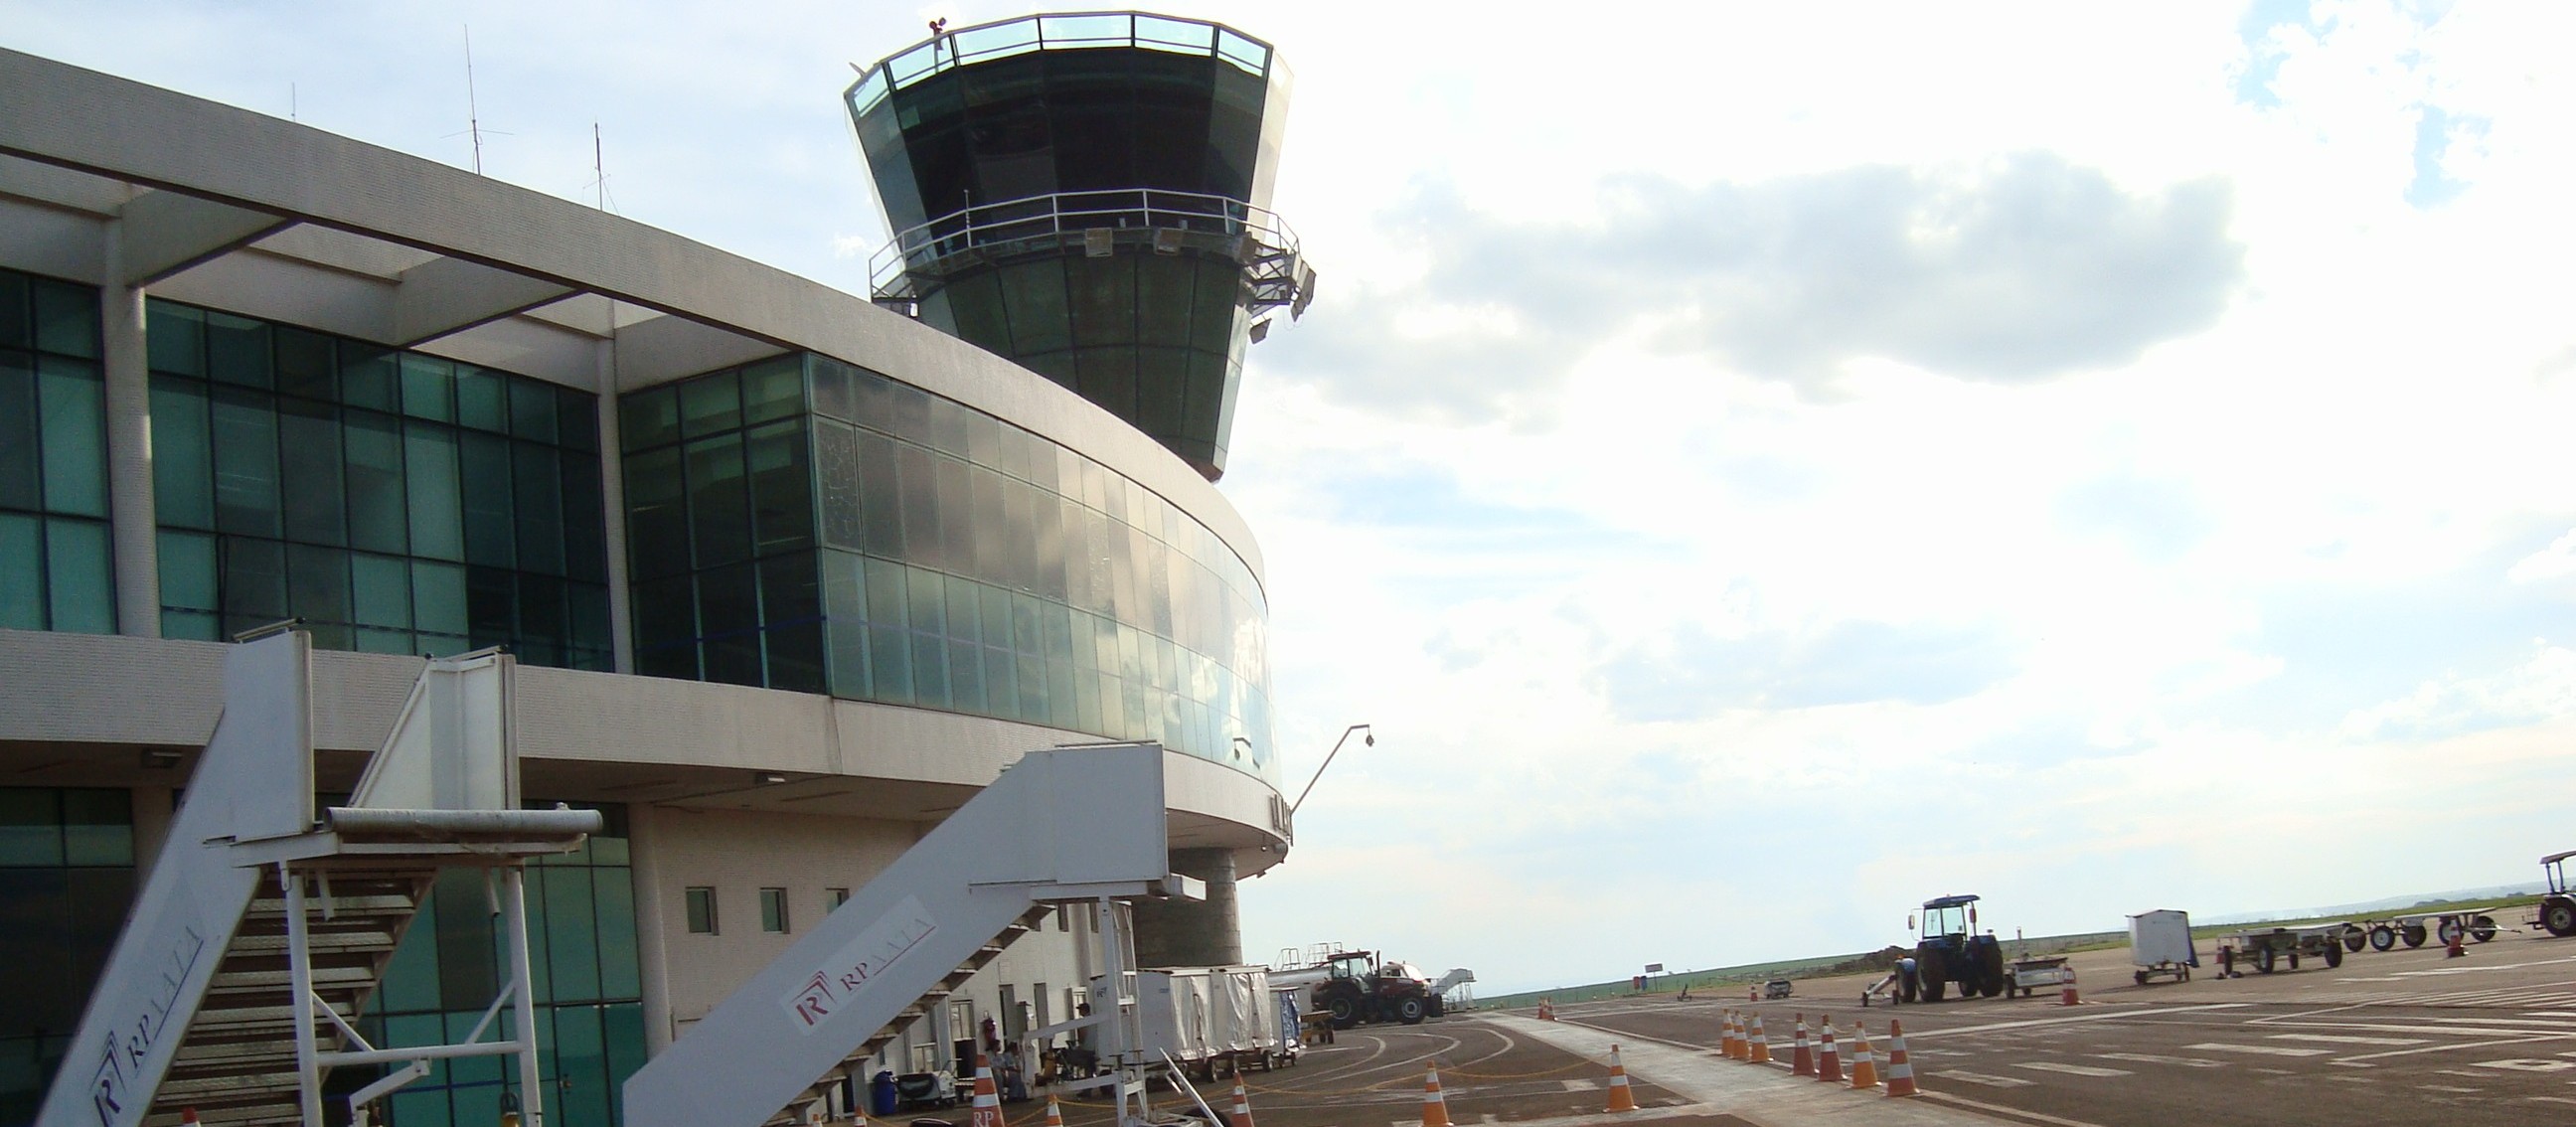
(2338, 1039)
(2152, 1058)
(1929, 1034)
(2528, 1064)
(2561, 1023)
(2389, 1027)
(1988, 1081)
(2451, 1088)
(1581, 1085)
(2262, 1050)
(2082, 1069)
(2514, 1037)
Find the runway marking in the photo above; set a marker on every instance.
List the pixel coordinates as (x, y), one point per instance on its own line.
(2156, 1012)
(2264, 1050)
(2560, 1023)
(2550, 1099)
(2440, 1088)
(2502, 1037)
(1581, 1085)
(1988, 1081)
(2083, 1069)
(2339, 1039)
(2151, 1058)
(2528, 1064)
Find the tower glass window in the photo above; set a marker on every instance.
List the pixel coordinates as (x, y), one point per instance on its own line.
(56, 570)
(397, 502)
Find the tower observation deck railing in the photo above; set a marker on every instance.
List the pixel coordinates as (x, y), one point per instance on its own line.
(1056, 32)
(1275, 274)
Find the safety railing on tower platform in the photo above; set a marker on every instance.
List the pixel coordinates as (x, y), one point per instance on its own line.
(918, 258)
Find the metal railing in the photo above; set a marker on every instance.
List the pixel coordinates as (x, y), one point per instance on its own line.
(1254, 236)
(1055, 32)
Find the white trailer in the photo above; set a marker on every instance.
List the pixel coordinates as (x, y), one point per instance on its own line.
(2160, 944)
(1207, 1020)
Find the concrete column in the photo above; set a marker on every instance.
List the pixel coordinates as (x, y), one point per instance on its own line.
(1183, 933)
(132, 525)
(612, 504)
(652, 951)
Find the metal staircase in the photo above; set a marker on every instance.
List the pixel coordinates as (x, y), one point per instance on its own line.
(237, 1063)
(856, 1066)
(1062, 825)
(233, 989)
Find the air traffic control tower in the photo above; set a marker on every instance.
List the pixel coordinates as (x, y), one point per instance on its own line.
(1089, 195)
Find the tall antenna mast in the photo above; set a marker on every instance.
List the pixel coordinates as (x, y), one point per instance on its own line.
(599, 165)
(473, 116)
(291, 114)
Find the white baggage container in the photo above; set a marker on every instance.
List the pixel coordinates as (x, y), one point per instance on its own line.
(2160, 944)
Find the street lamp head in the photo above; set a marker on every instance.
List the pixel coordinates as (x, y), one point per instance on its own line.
(1369, 740)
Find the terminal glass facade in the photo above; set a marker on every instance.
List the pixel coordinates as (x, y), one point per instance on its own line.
(66, 880)
(397, 502)
(581, 955)
(804, 524)
(56, 566)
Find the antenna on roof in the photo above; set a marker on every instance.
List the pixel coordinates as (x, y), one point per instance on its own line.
(598, 167)
(473, 115)
(291, 114)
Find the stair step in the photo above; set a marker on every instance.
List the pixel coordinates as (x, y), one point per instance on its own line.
(237, 982)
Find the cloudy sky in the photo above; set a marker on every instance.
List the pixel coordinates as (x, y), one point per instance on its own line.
(1759, 466)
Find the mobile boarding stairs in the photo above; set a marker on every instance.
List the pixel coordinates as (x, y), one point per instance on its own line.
(263, 929)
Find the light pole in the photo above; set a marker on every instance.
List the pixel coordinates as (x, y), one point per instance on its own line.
(1369, 740)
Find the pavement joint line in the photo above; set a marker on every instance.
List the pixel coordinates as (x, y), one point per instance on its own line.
(2008, 1112)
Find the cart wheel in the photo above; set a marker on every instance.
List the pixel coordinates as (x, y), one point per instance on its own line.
(2414, 935)
(2334, 955)
(2186, 974)
(2450, 930)
(2263, 961)
(2294, 958)
(2353, 938)
(2141, 976)
(2482, 928)
(2382, 938)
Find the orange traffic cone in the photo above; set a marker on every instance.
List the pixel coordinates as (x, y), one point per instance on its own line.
(1242, 1114)
(1900, 1072)
(1055, 1115)
(2066, 997)
(1802, 1056)
(1546, 1010)
(1435, 1110)
(988, 1106)
(1864, 1070)
(1621, 1099)
(1734, 1046)
(1829, 1060)
(1759, 1051)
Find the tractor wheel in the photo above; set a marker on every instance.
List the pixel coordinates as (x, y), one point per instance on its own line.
(1935, 974)
(2559, 916)
(2354, 938)
(2382, 938)
(1345, 1011)
(2450, 930)
(2263, 961)
(1411, 1011)
(2334, 955)
(2482, 928)
(2413, 935)
(1992, 959)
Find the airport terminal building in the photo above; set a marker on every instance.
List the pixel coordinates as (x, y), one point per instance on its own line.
(791, 572)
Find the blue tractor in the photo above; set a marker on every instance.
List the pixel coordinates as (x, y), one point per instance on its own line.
(1950, 952)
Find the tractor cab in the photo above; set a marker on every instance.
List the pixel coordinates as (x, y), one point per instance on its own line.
(2556, 912)
(1950, 916)
(1352, 965)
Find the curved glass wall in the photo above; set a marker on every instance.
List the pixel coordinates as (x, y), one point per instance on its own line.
(398, 502)
(804, 524)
